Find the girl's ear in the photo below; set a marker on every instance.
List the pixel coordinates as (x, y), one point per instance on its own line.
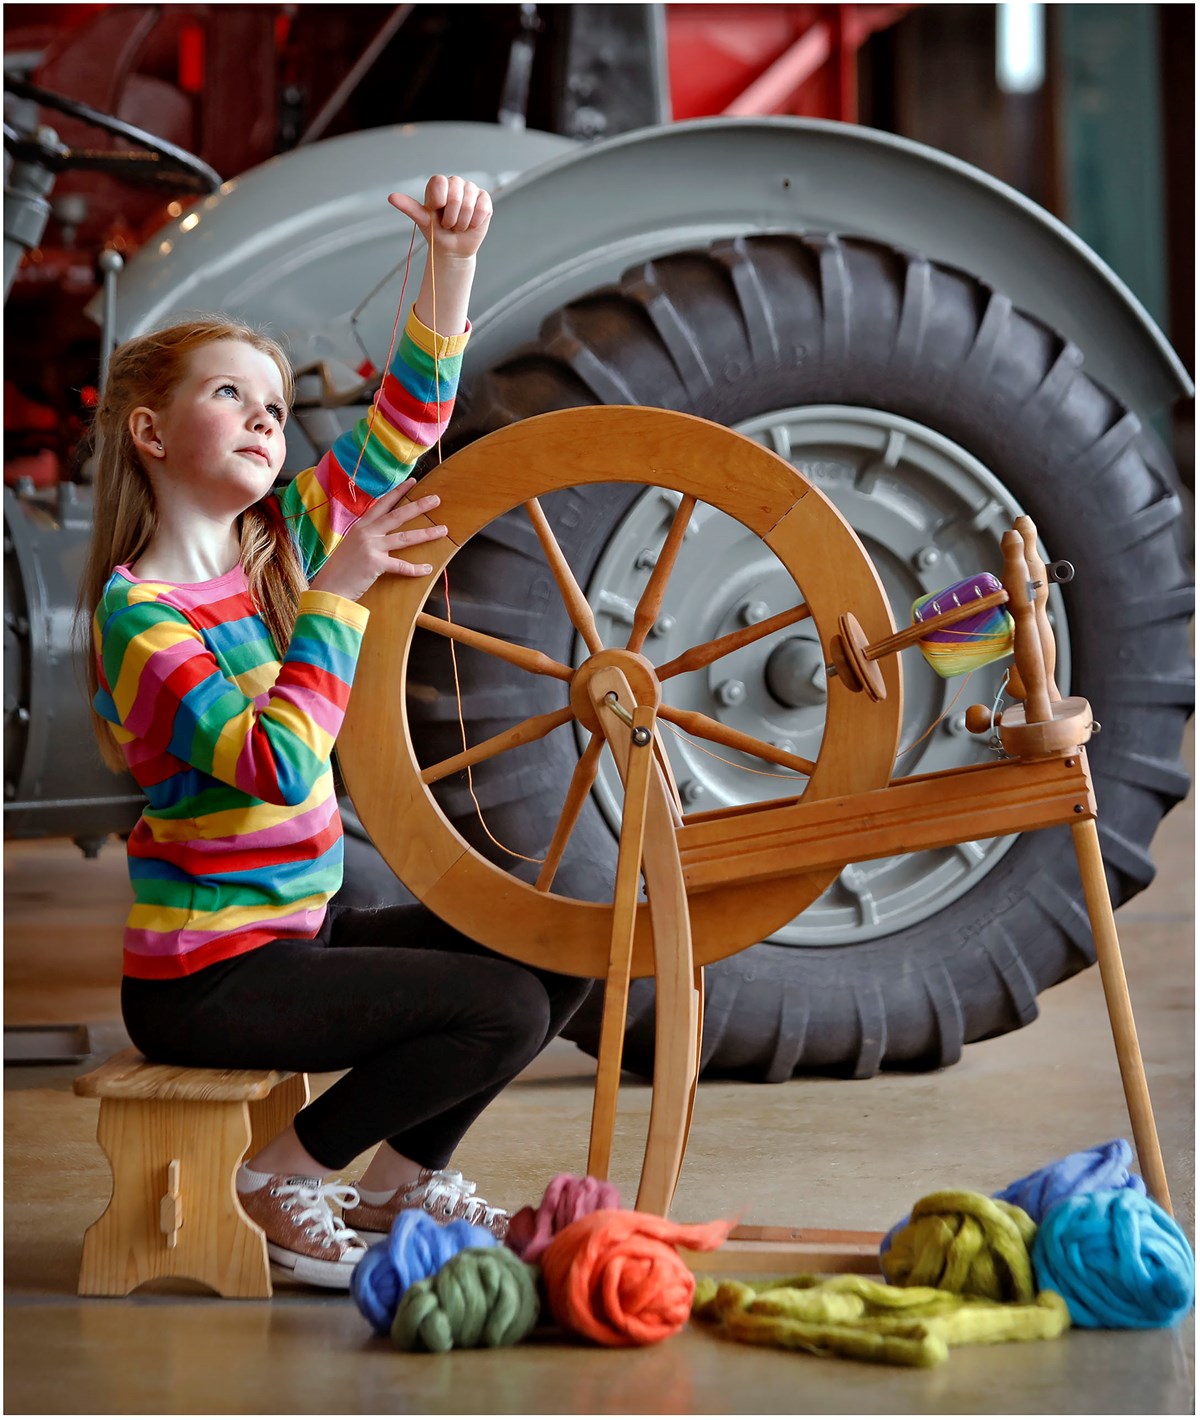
(143, 430)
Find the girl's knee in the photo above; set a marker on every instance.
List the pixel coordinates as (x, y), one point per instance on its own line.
(517, 1001)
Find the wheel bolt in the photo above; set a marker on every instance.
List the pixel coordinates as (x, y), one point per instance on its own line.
(731, 692)
(927, 557)
(754, 612)
(785, 745)
(691, 790)
(957, 725)
(663, 626)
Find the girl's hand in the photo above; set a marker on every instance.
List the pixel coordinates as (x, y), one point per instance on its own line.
(365, 552)
(455, 215)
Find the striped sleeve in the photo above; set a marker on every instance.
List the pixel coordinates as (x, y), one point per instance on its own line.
(413, 408)
(163, 685)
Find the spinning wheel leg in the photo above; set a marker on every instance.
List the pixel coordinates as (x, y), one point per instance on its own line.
(677, 1013)
(691, 1104)
(1120, 1010)
(616, 984)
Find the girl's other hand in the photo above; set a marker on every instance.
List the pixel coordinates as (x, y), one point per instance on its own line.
(365, 553)
(455, 215)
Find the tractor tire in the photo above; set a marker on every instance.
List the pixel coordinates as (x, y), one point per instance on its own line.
(756, 324)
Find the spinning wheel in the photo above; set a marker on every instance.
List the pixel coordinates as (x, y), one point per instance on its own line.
(715, 882)
(515, 466)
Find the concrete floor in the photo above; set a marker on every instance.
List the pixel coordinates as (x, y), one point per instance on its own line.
(822, 1153)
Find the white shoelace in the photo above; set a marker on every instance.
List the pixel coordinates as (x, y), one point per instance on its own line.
(448, 1188)
(314, 1198)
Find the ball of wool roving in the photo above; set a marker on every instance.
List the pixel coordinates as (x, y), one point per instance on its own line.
(415, 1248)
(1118, 1260)
(965, 1243)
(1089, 1171)
(481, 1297)
(615, 1276)
(567, 1199)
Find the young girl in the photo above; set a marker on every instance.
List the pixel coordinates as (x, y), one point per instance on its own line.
(226, 633)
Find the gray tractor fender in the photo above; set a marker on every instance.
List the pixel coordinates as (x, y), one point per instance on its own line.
(305, 239)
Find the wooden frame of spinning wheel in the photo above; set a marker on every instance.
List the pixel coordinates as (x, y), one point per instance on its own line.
(714, 882)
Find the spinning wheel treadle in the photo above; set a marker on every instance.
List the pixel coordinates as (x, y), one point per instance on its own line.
(717, 882)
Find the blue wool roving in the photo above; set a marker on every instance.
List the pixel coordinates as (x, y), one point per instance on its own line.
(1090, 1171)
(415, 1249)
(1117, 1259)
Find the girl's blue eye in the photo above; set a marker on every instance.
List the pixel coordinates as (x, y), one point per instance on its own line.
(278, 412)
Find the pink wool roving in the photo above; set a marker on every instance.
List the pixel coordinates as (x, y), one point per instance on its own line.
(567, 1199)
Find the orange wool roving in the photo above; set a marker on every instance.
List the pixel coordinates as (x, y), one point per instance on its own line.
(615, 1277)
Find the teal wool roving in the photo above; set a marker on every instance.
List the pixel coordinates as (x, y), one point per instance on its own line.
(481, 1297)
(1117, 1259)
(414, 1249)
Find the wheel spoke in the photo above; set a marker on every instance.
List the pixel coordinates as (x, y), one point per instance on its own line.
(535, 728)
(577, 791)
(576, 603)
(697, 657)
(651, 599)
(523, 656)
(694, 723)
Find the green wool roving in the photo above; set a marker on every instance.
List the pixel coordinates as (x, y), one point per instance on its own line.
(864, 1320)
(966, 1243)
(480, 1297)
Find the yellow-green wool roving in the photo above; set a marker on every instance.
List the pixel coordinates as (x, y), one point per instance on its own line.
(967, 1243)
(861, 1319)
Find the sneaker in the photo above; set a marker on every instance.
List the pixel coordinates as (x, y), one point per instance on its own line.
(443, 1193)
(303, 1234)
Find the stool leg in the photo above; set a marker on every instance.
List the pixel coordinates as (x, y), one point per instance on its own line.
(215, 1242)
(272, 1116)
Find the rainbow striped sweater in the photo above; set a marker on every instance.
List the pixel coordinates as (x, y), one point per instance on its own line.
(241, 840)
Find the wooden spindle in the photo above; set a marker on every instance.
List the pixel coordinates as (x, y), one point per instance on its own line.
(1027, 645)
(1041, 592)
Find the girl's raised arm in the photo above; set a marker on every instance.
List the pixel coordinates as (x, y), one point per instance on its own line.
(416, 398)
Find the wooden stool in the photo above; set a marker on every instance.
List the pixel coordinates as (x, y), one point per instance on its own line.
(174, 1139)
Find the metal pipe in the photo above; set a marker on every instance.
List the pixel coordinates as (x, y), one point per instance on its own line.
(110, 262)
(364, 61)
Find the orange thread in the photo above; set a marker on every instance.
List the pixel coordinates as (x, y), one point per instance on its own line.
(462, 724)
(306, 512)
(712, 754)
(388, 362)
(939, 719)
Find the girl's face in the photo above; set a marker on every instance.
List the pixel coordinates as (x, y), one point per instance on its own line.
(221, 434)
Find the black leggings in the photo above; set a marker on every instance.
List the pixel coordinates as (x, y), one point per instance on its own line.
(428, 1038)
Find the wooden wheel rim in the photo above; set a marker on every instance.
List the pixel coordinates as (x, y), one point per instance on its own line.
(569, 448)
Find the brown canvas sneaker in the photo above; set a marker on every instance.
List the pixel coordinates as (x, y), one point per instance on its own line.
(443, 1193)
(303, 1233)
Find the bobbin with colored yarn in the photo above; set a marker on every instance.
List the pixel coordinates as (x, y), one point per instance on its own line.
(973, 642)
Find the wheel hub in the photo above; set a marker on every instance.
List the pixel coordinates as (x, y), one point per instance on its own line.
(795, 673)
(636, 669)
